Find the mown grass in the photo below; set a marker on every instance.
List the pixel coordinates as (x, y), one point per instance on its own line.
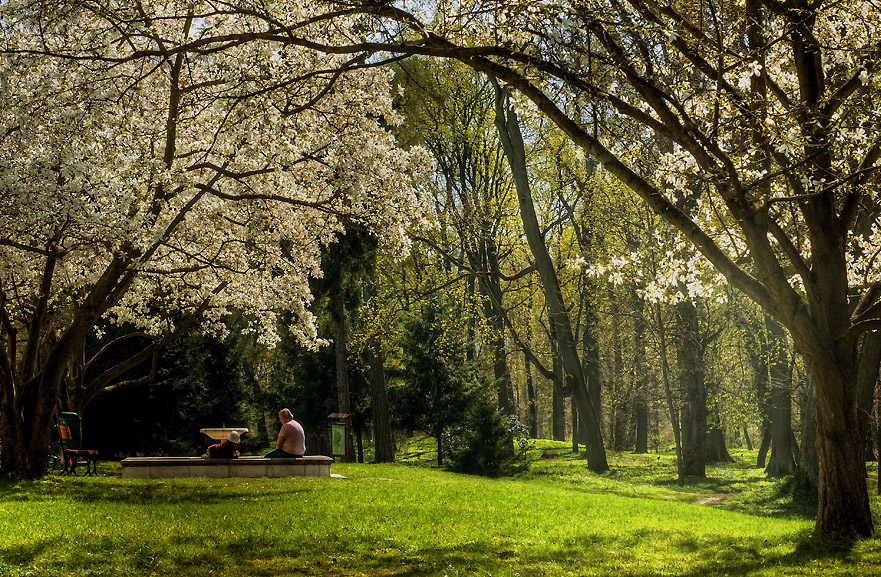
(400, 520)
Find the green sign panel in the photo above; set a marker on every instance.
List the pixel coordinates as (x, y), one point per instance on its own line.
(339, 438)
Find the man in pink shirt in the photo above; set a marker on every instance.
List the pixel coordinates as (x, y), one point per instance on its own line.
(291, 438)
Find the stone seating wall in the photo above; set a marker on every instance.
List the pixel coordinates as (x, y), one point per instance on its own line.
(171, 467)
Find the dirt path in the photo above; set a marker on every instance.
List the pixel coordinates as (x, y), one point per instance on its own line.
(714, 499)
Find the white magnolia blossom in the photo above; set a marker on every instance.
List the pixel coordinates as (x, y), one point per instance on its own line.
(228, 198)
(677, 277)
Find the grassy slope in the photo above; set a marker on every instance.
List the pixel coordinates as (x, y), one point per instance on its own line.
(399, 520)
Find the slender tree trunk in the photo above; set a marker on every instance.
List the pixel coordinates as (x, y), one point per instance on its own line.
(781, 461)
(759, 353)
(867, 379)
(359, 439)
(340, 338)
(749, 443)
(807, 473)
(877, 433)
(485, 257)
(531, 406)
(764, 447)
(558, 415)
(384, 450)
(512, 141)
(689, 351)
(495, 312)
(640, 393)
(618, 395)
(340, 344)
(592, 353)
(641, 444)
(668, 394)
(438, 437)
(382, 430)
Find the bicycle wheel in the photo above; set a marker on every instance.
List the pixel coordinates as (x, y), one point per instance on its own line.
(56, 457)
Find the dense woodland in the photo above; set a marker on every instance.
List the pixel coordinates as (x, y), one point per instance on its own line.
(463, 316)
(638, 227)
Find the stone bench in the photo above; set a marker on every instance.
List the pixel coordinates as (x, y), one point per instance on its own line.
(170, 467)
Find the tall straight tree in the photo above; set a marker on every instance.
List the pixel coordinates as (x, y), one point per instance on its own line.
(781, 461)
(384, 442)
(512, 140)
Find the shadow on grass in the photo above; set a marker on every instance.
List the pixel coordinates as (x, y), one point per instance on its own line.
(730, 489)
(156, 492)
(363, 553)
(702, 557)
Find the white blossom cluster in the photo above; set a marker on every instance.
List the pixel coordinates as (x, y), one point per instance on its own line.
(214, 170)
(678, 273)
(866, 253)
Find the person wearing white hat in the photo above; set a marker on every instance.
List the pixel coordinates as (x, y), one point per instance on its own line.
(226, 449)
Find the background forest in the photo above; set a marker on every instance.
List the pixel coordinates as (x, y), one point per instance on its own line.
(455, 340)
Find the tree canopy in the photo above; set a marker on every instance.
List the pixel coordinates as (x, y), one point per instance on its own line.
(154, 174)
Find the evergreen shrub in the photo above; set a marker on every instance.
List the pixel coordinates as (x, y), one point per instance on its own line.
(488, 442)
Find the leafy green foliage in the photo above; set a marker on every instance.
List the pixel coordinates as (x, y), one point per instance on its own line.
(488, 442)
(435, 379)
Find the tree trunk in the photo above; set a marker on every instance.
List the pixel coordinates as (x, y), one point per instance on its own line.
(619, 396)
(642, 427)
(689, 352)
(780, 461)
(482, 255)
(867, 379)
(438, 437)
(531, 406)
(25, 435)
(592, 353)
(359, 439)
(759, 353)
(764, 447)
(640, 392)
(668, 395)
(340, 346)
(512, 142)
(877, 434)
(494, 314)
(558, 415)
(749, 443)
(807, 472)
(716, 450)
(382, 431)
(384, 450)
(841, 484)
(29, 408)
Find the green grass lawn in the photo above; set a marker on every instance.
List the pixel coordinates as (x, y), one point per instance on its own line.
(557, 518)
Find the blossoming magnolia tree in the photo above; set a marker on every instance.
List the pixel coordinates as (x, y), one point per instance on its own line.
(155, 174)
(766, 115)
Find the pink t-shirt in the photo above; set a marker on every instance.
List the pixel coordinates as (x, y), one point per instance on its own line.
(293, 438)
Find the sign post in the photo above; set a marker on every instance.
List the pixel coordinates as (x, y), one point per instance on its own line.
(341, 436)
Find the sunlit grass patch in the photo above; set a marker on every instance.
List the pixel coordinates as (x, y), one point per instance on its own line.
(555, 519)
